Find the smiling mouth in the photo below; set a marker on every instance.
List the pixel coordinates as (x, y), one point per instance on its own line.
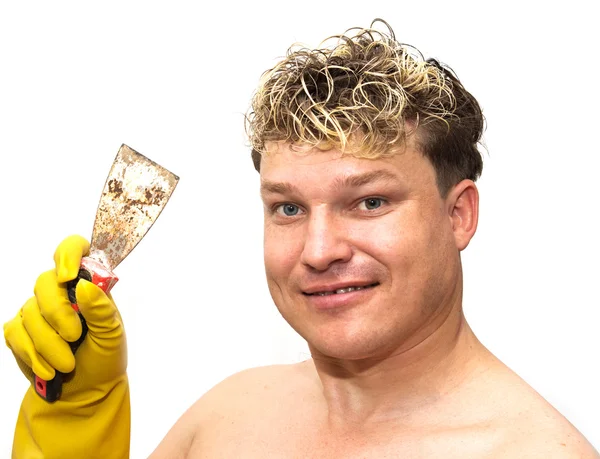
(342, 290)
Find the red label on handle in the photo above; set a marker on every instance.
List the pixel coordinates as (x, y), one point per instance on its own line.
(101, 276)
(40, 386)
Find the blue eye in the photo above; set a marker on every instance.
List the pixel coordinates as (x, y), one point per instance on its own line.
(289, 210)
(372, 203)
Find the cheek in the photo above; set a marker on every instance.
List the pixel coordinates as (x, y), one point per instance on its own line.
(413, 245)
(396, 238)
(281, 251)
(424, 265)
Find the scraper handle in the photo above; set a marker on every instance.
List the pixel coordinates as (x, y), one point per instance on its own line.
(92, 271)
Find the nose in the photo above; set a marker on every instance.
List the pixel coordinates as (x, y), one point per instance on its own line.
(326, 242)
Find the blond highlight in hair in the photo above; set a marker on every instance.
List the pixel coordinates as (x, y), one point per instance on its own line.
(363, 92)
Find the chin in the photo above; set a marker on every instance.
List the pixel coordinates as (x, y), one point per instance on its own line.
(350, 346)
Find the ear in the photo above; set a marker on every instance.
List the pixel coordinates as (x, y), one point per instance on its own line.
(462, 204)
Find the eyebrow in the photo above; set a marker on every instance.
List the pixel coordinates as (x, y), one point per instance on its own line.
(351, 181)
(358, 180)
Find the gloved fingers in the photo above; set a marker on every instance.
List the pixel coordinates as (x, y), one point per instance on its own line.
(21, 344)
(67, 257)
(48, 343)
(55, 306)
(98, 309)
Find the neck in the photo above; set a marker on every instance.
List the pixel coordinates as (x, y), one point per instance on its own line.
(408, 385)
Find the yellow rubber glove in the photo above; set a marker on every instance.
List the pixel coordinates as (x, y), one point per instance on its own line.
(92, 417)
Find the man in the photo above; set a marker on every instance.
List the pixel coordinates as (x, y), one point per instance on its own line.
(368, 156)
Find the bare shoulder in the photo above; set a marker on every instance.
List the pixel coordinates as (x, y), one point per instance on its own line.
(242, 401)
(547, 433)
(255, 388)
(532, 426)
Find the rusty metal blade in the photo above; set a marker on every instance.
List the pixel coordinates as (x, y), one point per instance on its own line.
(136, 191)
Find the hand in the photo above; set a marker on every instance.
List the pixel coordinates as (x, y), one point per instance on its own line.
(95, 389)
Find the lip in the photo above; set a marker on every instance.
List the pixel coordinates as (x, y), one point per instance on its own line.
(339, 300)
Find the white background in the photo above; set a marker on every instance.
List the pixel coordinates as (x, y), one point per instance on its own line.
(173, 79)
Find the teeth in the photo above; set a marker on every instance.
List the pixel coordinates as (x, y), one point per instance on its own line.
(339, 290)
(346, 290)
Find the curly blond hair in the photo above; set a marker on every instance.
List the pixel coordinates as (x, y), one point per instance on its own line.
(364, 93)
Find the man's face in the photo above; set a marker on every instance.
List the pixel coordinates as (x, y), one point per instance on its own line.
(360, 255)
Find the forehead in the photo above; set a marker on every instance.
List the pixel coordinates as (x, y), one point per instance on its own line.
(312, 167)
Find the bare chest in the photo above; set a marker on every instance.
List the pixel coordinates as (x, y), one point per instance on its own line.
(283, 440)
